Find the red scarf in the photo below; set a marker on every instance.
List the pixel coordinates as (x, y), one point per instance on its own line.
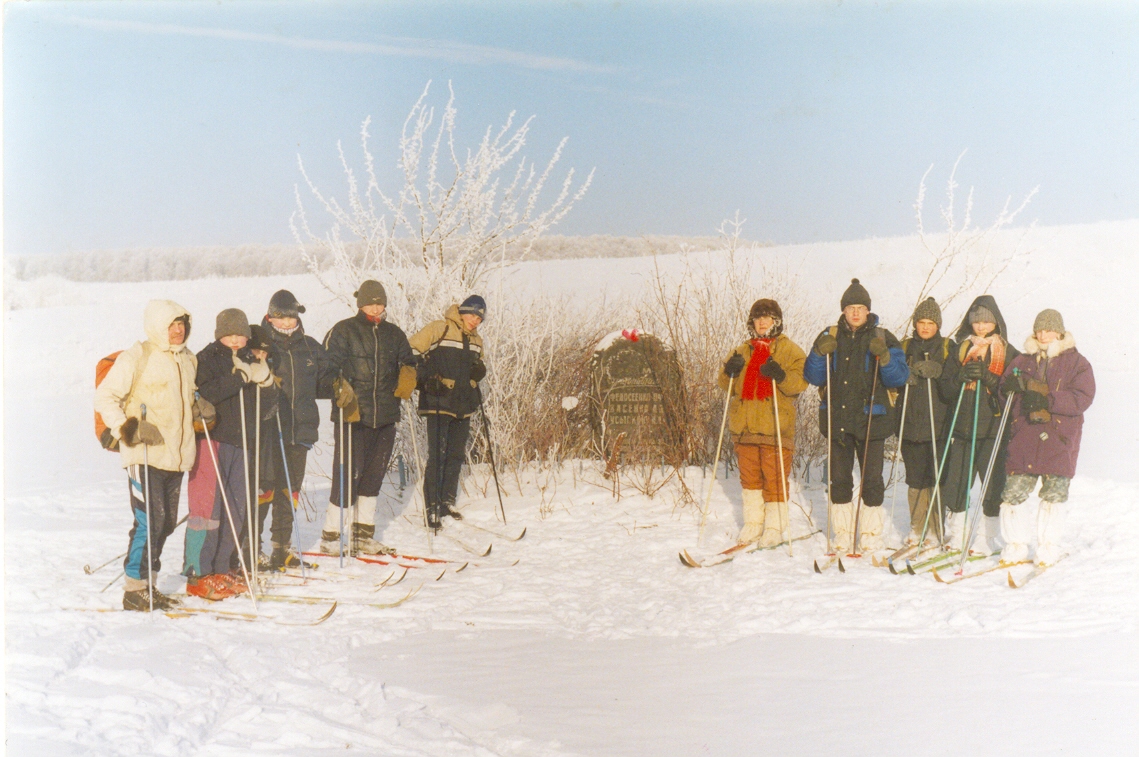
(756, 385)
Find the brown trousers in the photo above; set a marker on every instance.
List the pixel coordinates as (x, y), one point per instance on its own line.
(759, 469)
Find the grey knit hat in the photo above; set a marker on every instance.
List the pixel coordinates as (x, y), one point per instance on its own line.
(371, 293)
(1048, 320)
(928, 310)
(284, 305)
(855, 294)
(981, 314)
(232, 322)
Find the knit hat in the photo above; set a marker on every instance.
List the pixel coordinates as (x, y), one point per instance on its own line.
(928, 310)
(232, 322)
(284, 305)
(371, 293)
(981, 314)
(1048, 320)
(259, 338)
(474, 305)
(855, 294)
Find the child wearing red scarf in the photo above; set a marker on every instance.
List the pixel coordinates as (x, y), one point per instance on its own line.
(764, 374)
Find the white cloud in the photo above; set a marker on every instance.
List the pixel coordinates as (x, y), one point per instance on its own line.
(455, 52)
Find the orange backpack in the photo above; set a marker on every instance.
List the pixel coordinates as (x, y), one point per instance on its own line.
(102, 368)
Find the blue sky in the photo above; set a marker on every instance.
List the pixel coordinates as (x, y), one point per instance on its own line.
(171, 124)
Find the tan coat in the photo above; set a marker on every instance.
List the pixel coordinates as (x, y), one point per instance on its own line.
(166, 387)
(753, 422)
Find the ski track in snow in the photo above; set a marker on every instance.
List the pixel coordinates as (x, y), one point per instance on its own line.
(592, 569)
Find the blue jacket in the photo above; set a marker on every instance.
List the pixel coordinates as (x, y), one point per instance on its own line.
(852, 376)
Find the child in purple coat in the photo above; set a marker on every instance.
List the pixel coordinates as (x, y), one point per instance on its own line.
(1053, 385)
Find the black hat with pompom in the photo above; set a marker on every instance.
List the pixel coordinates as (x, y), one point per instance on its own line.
(855, 294)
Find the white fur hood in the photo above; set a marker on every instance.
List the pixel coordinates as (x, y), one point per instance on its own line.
(1066, 342)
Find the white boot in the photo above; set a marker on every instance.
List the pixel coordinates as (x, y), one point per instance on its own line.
(1016, 530)
(1049, 525)
(870, 523)
(988, 541)
(842, 521)
(775, 525)
(954, 530)
(753, 517)
(364, 529)
(330, 534)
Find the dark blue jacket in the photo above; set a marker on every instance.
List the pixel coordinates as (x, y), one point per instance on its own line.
(852, 376)
(306, 375)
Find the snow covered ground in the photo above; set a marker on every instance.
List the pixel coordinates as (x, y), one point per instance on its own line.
(587, 637)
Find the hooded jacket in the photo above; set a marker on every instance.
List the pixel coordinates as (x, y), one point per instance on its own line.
(447, 349)
(166, 387)
(756, 418)
(1051, 448)
(852, 377)
(306, 373)
(990, 405)
(369, 356)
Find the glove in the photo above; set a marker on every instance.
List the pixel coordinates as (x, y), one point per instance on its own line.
(406, 383)
(1013, 383)
(435, 387)
(735, 365)
(990, 380)
(253, 373)
(478, 370)
(135, 431)
(973, 370)
(342, 393)
(1036, 386)
(773, 370)
(926, 369)
(205, 415)
(825, 344)
(1033, 401)
(879, 350)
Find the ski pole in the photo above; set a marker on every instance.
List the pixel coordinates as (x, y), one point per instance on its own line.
(490, 454)
(782, 472)
(897, 450)
(92, 571)
(228, 513)
(972, 532)
(944, 458)
(350, 477)
(716, 460)
(248, 505)
(972, 455)
(146, 503)
(865, 456)
(830, 435)
(257, 477)
(289, 483)
(342, 501)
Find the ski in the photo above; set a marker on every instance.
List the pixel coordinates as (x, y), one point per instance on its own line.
(189, 612)
(897, 565)
(953, 577)
(913, 567)
(309, 600)
(1036, 571)
(494, 532)
(732, 552)
(477, 551)
(824, 562)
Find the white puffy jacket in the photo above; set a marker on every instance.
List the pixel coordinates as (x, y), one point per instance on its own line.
(166, 387)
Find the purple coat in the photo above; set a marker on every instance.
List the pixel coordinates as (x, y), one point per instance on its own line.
(1051, 448)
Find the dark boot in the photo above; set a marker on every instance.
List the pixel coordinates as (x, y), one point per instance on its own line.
(434, 517)
(137, 601)
(449, 511)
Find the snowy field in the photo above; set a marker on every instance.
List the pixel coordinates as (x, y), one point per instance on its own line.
(587, 637)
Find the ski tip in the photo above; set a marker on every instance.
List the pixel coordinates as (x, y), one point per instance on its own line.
(687, 560)
(438, 577)
(519, 536)
(937, 577)
(1011, 583)
(461, 568)
(489, 547)
(817, 568)
(841, 567)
